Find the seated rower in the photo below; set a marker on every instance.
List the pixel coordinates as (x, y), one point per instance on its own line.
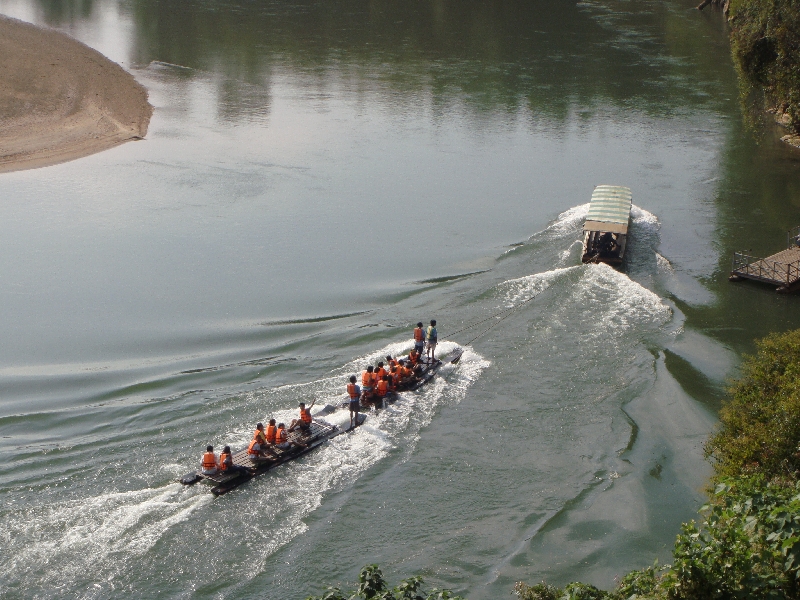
(282, 439)
(226, 463)
(209, 463)
(305, 420)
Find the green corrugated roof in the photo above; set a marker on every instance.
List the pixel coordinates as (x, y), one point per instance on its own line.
(610, 204)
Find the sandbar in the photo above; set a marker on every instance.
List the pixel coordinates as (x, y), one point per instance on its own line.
(61, 100)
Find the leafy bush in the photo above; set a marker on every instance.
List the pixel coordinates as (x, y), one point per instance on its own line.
(372, 586)
(760, 426)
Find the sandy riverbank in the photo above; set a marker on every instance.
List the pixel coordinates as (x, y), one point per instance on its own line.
(61, 100)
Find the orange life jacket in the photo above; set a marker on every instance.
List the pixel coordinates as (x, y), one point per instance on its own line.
(383, 387)
(419, 335)
(271, 429)
(251, 450)
(351, 390)
(380, 373)
(413, 357)
(259, 436)
(209, 461)
(305, 415)
(222, 458)
(280, 436)
(392, 363)
(366, 379)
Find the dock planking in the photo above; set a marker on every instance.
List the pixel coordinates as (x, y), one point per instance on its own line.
(781, 269)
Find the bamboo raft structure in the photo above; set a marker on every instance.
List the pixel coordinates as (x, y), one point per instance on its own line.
(781, 269)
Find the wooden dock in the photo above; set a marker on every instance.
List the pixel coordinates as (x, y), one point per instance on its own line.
(781, 269)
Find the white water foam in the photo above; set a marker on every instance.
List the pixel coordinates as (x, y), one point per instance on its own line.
(522, 288)
(68, 541)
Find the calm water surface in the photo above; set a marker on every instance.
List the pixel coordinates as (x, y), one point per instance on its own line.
(318, 176)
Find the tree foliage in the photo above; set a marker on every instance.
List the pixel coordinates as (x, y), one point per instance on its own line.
(765, 36)
(372, 586)
(760, 426)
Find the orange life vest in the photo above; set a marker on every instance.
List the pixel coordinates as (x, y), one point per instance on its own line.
(271, 429)
(305, 415)
(222, 458)
(392, 363)
(380, 373)
(366, 379)
(251, 450)
(413, 357)
(209, 461)
(280, 436)
(383, 387)
(259, 436)
(351, 390)
(419, 335)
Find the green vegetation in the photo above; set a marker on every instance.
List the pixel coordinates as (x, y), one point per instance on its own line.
(372, 586)
(766, 47)
(747, 544)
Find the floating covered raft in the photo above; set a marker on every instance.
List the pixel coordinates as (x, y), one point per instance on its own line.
(609, 209)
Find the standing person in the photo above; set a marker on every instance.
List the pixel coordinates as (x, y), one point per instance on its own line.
(209, 464)
(432, 338)
(226, 463)
(355, 400)
(419, 338)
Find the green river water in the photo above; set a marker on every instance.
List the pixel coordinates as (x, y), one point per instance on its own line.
(320, 175)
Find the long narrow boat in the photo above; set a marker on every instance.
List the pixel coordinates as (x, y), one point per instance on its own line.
(222, 482)
(319, 433)
(606, 227)
(427, 373)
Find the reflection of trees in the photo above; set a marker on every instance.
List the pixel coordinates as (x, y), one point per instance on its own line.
(491, 54)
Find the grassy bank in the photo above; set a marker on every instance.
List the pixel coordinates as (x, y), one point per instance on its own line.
(765, 37)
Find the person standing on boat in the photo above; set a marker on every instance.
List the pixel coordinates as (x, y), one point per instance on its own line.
(226, 463)
(419, 339)
(354, 392)
(209, 464)
(432, 337)
(305, 420)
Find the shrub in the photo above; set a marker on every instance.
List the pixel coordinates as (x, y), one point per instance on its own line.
(372, 586)
(760, 426)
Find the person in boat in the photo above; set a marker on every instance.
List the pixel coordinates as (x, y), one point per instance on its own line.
(390, 362)
(607, 244)
(413, 357)
(226, 465)
(382, 388)
(419, 338)
(432, 338)
(305, 420)
(209, 462)
(282, 439)
(367, 382)
(354, 392)
(271, 430)
(380, 372)
(258, 448)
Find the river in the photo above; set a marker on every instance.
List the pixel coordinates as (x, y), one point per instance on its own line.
(320, 175)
